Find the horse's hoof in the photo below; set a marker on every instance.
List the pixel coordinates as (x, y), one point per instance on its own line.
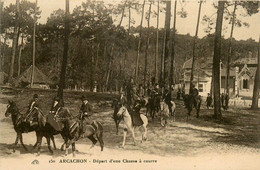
(92, 146)
(121, 146)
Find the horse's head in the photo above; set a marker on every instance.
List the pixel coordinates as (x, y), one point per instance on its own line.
(121, 111)
(114, 103)
(11, 108)
(162, 105)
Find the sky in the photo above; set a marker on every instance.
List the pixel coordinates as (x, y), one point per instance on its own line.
(183, 25)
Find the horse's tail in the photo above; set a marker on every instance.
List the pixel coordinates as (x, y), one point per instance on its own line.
(99, 134)
(99, 126)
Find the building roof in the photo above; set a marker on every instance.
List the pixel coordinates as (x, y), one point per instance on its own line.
(249, 71)
(39, 77)
(203, 63)
(232, 72)
(248, 61)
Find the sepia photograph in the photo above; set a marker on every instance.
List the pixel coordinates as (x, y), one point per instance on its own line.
(130, 84)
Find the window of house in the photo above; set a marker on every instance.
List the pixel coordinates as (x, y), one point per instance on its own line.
(200, 87)
(245, 84)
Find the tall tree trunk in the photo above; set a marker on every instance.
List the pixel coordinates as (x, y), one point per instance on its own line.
(33, 53)
(194, 47)
(19, 57)
(230, 47)
(167, 41)
(162, 59)
(216, 60)
(109, 66)
(15, 41)
(128, 33)
(3, 55)
(65, 52)
(147, 46)
(92, 69)
(111, 52)
(157, 43)
(139, 45)
(257, 82)
(173, 45)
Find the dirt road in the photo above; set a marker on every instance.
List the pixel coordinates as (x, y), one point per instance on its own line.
(183, 145)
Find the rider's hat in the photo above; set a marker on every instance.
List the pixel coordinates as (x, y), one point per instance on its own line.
(35, 96)
(56, 99)
(83, 98)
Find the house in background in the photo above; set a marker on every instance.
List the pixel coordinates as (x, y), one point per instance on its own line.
(40, 80)
(241, 81)
(201, 76)
(245, 76)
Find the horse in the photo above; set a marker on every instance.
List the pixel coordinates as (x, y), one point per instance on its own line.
(128, 124)
(117, 119)
(165, 112)
(190, 101)
(73, 130)
(21, 126)
(48, 130)
(153, 105)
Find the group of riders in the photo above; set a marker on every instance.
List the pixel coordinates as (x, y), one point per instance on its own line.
(130, 97)
(85, 112)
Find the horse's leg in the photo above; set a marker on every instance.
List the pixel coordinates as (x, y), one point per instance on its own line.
(124, 138)
(161, 121)
(21, 141)
(144, 136)
(39, 139)
(68, 143)
(198, 109)
(65, 141)
(16, 141)
(49, 144)
(53, 142)
(100, 139)
(133, 135)
(93, 140)
(73, 149)
(117, 123)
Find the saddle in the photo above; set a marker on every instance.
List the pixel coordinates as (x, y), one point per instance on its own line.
(136, 119)
(52, 120)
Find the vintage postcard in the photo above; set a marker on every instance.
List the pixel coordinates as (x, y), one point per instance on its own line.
(129, 84)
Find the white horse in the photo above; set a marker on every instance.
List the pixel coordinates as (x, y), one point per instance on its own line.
(128, 124)
(165, 112)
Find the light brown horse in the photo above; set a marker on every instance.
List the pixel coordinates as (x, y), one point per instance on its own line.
(73, 130)
(165, 112)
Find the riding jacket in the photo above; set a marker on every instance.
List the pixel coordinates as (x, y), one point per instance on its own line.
(85, 112)
(55, 108)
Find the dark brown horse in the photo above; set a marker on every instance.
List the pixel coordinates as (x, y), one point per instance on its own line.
(47, 130)
(153, 105)
(116, 105)
(191, 101)
(21, 126)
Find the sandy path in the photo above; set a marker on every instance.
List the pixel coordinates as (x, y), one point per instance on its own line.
(213, 156)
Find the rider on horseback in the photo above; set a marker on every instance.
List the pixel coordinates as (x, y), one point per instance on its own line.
(168, 98)
(122, 99)
(85, 110)
(84, 113)
(53, 117)
(56, 106)
(32, 104)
